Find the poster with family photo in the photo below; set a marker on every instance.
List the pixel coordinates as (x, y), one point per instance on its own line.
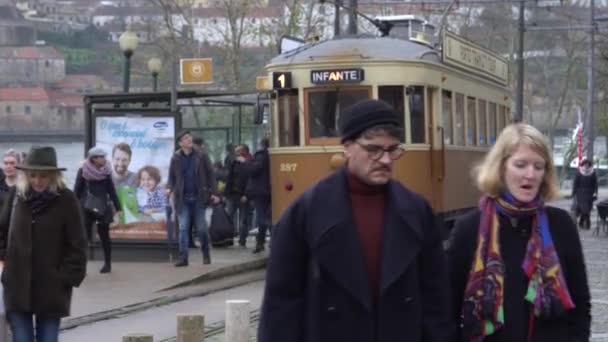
(139, 149)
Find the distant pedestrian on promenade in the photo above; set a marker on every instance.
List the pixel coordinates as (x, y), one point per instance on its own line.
(9, 173)
(192, 185)
(94, 180)
(42, 249)
(516, 265)
(358, 257)
(584, 193)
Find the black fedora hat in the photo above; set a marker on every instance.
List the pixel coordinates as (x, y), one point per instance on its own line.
(41, 158)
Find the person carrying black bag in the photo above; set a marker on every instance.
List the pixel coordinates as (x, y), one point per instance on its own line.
(95, 189)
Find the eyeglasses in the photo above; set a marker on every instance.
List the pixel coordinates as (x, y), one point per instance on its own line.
(375, 152)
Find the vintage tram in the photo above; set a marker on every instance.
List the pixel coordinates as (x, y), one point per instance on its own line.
(453, 102)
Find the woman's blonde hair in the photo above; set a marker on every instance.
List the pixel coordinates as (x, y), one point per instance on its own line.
(489, 174)
(23, 182)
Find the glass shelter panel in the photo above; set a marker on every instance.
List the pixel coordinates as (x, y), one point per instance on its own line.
(394, 95)
(459, 120)
(446, 116)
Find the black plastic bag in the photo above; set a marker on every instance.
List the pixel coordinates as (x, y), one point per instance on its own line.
(221, 229)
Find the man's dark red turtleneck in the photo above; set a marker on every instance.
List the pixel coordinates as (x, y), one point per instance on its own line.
(368, 203)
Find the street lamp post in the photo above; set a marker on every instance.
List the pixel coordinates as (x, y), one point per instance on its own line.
(154, 66)
(128, 43)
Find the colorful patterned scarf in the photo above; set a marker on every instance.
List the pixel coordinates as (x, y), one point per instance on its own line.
(483, 310)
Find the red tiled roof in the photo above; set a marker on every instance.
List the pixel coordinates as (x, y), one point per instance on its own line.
(264, 12)
(113, 11)
(23, 94)
(60, 99)
(79, 82)
(254, 12)
(30, 52)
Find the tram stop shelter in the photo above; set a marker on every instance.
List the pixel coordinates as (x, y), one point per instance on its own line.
(137, 131)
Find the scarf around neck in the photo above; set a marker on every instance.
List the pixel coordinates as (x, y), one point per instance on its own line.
(91, 172)
(39, 200)
(586, 171)
(547, 292)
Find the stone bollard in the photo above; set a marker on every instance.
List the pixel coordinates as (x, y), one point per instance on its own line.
(138, 338)
(237, 321)
(190, 328)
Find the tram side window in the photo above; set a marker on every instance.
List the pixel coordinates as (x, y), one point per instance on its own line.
(416, 104)
(325, 107)
(446, 117)
(492, 123)
(459, 123)
(289, 125)
(500, 121)
(394, 95)
(471, 122)
(482, 132)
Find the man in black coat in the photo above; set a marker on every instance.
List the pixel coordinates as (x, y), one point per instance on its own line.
(358, 257)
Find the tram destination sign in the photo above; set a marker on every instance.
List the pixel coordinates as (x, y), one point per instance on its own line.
(336, 76)
(465, 54)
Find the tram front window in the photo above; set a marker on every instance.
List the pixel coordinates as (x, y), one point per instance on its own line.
(325, 106)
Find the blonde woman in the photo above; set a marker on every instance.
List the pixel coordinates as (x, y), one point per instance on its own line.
(516, 265)
(42, 249)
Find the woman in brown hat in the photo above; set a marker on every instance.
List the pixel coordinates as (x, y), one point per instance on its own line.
(42, 249)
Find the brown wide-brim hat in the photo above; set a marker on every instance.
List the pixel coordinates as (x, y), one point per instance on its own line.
(41, 159)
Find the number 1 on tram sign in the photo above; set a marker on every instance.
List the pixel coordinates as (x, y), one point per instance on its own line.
(281, 80)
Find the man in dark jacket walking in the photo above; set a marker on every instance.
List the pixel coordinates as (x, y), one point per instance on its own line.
(358, 256)
(258, 189)
(192, 185)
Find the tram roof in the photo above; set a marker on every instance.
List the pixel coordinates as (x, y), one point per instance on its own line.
(364, 47)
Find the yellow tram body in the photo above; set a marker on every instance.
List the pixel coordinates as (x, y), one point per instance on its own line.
(452, 112)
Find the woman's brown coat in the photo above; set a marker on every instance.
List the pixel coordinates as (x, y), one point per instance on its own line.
(44, 255)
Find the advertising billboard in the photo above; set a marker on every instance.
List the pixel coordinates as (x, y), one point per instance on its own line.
(139, 149)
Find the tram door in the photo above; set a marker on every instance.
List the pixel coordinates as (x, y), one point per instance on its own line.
(437, 157)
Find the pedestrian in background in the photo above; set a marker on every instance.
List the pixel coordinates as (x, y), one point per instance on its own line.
(236, 198)
(517, 267)
(358, 257)
(192, 185)
(9, 171)
(42, 249)
(258, 190)
(94, 180)
(584, 193)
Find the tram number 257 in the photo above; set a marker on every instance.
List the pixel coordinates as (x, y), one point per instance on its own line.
(288, 167)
